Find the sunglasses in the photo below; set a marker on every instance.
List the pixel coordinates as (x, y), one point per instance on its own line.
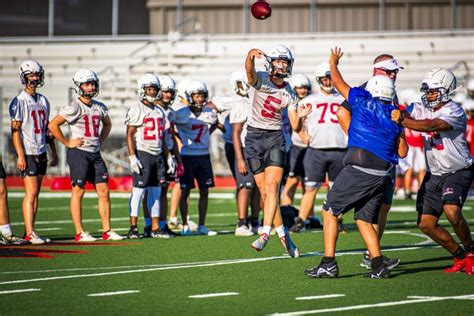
(389, 72)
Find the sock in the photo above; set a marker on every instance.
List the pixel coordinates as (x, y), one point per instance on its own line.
(133, 227)
(147, 221)
(266, 230)
(254, 221)
(174, 220)
(328, 259)
(162, 224)
(6, 230)
(242, 222)
(135, 200)
(377, 262)
(281, 231)
(459, 253)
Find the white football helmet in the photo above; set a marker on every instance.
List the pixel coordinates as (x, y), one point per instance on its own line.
(279, 52)
(181, 88)
(409, 96)
(239, 76)
(83, 76)
(167, 84)
(148, 80)
(194, 87)
(300, 81)
(29, 67)
(439, 79)
(381, 87)
(323, 71)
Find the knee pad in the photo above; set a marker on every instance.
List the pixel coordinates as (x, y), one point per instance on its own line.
(256, 165)
(276, 158)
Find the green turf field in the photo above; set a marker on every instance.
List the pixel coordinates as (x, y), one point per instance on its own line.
(162, 276)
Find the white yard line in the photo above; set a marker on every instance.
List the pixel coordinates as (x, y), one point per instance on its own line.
(385, 304)
(48, 229)
(318, 297)
(213, 295)
(19, 291)
(114, 293)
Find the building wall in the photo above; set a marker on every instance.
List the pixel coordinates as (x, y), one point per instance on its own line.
(213, 16)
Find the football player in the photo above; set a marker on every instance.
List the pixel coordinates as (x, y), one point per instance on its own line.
(29, 113)
(145, 126)
(195, 124)
(265, 143)
(384, 65)
(451, 171)
(90, 125)
(299, 143)
(327, 141)
(375, 143)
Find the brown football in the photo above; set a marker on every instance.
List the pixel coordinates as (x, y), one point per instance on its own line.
(261, 10)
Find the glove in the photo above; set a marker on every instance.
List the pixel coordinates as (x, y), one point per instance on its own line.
(179, 170)
(135, 164)
(171, 164)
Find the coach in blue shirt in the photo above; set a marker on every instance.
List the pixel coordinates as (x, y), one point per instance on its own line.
(375, 143)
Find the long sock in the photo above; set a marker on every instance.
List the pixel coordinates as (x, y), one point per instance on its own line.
(135, 200)
(266, 230)
(162, 224)
(241, 222)
(377, 262)
(281, 231)
(459, 253)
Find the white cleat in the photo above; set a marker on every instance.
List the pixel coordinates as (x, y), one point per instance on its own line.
(111, 235)
(243, 231)
(35, 239)
(260, 243)
(84, 237)
(203, 230)
(192, 225)
(289, 246)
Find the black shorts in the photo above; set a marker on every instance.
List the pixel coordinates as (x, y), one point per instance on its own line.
(3, 174)
(244, 181)
(152, 173)
(36, 165)
(389, 187)
(199, 168)
(85, 167)
(230, 155)
(318, 162)
(264, 148)
(295, 163)
(436, 191)
(168, 177)
(359, 190)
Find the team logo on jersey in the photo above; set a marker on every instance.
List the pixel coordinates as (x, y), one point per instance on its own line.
(448, 191)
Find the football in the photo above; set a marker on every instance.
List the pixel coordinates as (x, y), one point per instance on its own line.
(261, 10)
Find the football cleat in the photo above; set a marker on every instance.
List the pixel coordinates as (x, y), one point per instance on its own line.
(133, 234)
(243, 231)
(147, 232)
(389, 262)
(203, 230)
(111, 235)
(12, 240)
(186, 231)
(381, 273)
(469, 269)
(324, 270)
(84, 237)
(260, 243)
(299, 226)
(34, 239)
(366, 262)
(458, 266)
(167, 230)
(192, 225)
(289, 246)
(174, 225)
(159, 234)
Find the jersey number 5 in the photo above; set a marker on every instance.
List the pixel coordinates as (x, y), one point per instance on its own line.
(269, 110)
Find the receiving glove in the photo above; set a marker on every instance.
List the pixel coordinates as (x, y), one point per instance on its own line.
(179, 170)
(135, 164)
(171, 164)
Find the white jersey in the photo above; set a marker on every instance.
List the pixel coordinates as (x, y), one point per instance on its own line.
(295, 138)
(33, 113)
(446, 151)
(85, 122)
(150, 122)
(269, 101)
(224, 105)
(194, 129)
(240, 114)
(169, 127)
(322, 124)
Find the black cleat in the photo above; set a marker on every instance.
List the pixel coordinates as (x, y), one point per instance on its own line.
(324, 270)
(299, 226)
(147, 232)
(133, 234)
(380, 273)
(389, 262)
(167, 230)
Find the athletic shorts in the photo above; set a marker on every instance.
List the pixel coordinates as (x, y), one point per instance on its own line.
(85, 167)
(264, 148)
(244, 181)
(296, 157)
(153, 171)
(36, 165)
(389, 188)
(436, 191)
(199, 168)
(318, 162)
(356, 189)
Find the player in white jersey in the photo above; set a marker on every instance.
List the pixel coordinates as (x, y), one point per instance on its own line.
(264, 143)
(195, 124)
(29, 114)
(90, 125)
(145, 133)
(447, 182)
(299, 143)
(327, 141)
